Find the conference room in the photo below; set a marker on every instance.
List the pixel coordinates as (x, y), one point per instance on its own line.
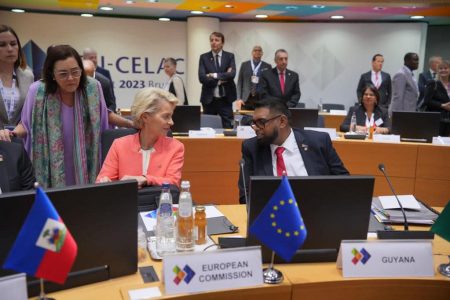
(326, 57)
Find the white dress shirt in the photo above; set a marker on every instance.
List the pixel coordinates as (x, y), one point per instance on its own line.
(146, 156)
(292, 157)
(376, 81)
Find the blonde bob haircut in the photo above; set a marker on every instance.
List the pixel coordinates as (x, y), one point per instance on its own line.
(148, 100)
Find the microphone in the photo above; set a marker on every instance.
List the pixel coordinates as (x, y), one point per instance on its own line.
(242, 164)
(406, 234)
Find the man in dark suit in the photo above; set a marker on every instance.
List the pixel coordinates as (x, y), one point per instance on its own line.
(278, 148)
(91, 54)
(381, 80)
(216, 72)
(248, 85)
(281, 83)
(428, 75)
(16, 171)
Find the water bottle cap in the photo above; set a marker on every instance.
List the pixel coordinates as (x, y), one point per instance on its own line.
(165, 185)
(185, 184)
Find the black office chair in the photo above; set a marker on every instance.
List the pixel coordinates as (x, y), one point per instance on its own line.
(300, 105)
(212, 121)
(330, 106)
(108, 137)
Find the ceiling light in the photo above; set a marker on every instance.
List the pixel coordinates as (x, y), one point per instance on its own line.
(379, 8)
(318, 6)
(196, 12)
(152, 1)
(229, 6)
(17, 10)
(130, 2)
(261, 16)
(106, 8)
(205, 7)
(87, 15)
(337, 17)
(416, 17)
(291, 7)
(164, 19)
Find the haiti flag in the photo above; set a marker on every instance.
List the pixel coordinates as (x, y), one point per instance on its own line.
(44, 247)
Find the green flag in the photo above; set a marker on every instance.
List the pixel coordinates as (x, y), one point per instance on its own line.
(442, 225)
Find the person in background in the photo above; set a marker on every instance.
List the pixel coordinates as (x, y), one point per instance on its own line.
(91, 54)
(15, 79)
(113, 118)
(62, 121)
(405, 91)
(278, 148)
(175, 85)
(426, 76)
(381, 80)
(216, 72)
(16, 171)
(248, 85)
(148, 156)
(437, 96)
(281, 83)
(368, 114)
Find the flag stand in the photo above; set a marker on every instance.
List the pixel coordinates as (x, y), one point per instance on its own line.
(272, 275)
(42, 295)
(444, 269)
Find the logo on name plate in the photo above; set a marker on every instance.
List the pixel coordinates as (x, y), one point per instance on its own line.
(360, 256)
(186, 274)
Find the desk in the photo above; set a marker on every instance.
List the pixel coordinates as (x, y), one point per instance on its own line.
(212, 166)
(302, 281)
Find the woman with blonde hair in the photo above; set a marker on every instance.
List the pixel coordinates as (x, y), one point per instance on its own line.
(148, 156)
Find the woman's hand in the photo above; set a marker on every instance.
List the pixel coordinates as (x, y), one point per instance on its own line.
(446, 106)
(382, 130)
(141, 180)
(5, 135)
(105, 179)
(362, 129)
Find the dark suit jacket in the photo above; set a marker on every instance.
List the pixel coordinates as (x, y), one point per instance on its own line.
(270, 87)
(206, 66)
(435, 96)
(385, 88)
(320, 158)
(245, 78)
(107, 89)
(360, 112)
(16, 171)
(424, 78)
(107, 74)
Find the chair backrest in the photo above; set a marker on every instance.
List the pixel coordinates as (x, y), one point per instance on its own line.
(213, 121)
(108, 137)
(300, 105)
(330, 106)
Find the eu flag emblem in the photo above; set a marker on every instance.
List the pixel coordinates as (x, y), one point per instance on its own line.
(280, 226)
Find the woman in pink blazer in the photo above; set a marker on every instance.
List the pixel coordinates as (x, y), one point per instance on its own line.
(149, 156)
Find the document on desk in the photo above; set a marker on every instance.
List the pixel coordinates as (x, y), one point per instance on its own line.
(424, 215)
(407, 201)
(145, 293)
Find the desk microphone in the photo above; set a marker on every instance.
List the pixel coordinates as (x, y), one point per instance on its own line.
(407, 234)
(242, 164)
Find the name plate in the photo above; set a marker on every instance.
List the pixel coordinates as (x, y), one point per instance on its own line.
(214, 270)
(331, 131)
(338, 112)
(204, 133)
(441, 140)
(245, 132)
(386, 138)
(390, 258)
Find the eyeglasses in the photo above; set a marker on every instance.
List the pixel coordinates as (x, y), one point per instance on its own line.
(75, 73)
(261, 123)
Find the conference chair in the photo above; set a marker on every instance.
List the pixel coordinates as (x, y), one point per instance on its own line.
(300, 105)
(212, 121)
(330, 106)
(108, 137)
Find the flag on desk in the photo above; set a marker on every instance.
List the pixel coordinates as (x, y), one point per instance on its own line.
(280, 226)
(442, 224)
(44, 247)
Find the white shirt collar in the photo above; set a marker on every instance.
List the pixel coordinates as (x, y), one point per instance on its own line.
(214, 54)
(290, 144)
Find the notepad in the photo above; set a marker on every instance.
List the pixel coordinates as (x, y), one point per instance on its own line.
(407, 201)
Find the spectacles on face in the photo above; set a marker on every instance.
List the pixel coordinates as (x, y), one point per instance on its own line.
(261, 123)
(64, 75)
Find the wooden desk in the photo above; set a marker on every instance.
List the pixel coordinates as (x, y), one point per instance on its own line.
(212, 166)
(302, 281)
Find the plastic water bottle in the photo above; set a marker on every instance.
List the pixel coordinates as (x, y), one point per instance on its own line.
(353, 123)
(320, 106)
(185, 220)
(165, 223)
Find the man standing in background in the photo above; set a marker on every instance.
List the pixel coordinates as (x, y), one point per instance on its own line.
(381, 80)
(216, 72)
(248, 86)
(405, 90)
(428, 75)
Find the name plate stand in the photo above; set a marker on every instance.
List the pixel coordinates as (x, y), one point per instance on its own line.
(213, 270)
(386, 258)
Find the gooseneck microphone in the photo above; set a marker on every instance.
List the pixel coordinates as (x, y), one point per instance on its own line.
(242, 164)
(383, 170)
(407, 234)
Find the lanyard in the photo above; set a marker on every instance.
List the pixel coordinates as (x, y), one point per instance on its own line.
(9, 109)
(255, 69)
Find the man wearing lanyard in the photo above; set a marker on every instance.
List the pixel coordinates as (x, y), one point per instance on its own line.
(248, 86)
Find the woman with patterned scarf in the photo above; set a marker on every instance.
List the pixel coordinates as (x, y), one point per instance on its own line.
(63, 118)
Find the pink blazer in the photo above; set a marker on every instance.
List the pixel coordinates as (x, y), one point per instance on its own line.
(124, 158)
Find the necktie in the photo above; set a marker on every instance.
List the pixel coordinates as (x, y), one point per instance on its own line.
(434, 75)
(280, 161)
(217, 62)
(221, 88)
(377, 81)
(282, 82)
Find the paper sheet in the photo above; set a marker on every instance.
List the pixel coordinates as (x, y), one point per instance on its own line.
(407, 201)
(146, 293)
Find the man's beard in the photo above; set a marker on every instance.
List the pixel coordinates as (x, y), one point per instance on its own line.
(268, 139)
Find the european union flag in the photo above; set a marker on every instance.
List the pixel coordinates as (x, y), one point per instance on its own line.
(280, 225)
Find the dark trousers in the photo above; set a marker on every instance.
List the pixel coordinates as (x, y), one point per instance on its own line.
(221, 107)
